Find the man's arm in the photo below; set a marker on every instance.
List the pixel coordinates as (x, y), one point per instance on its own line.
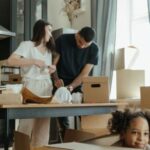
(78, 80)
(55, 61)
(57, 82)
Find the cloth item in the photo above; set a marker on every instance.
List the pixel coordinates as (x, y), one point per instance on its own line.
(29, 97)
(62, 95)
(77, 97)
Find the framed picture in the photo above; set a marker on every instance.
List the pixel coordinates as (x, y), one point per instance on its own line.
(73, 8)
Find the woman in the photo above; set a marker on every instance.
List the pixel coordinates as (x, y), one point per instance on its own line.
(35, 59)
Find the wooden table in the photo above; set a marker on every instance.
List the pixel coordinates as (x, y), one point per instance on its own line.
(23, 111)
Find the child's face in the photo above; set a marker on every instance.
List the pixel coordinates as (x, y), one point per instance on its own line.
(137, 135)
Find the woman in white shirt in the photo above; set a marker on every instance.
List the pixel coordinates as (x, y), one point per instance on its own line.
(35, 59)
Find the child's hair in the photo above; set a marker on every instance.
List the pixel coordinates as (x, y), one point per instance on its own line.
(120, 120)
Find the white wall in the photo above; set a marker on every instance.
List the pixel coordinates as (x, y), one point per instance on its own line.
(58, 18)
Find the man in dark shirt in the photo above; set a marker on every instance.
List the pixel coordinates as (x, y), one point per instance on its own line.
(77, 54)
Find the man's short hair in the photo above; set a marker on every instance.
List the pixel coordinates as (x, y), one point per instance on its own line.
(87, 33)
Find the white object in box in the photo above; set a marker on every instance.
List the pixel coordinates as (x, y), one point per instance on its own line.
(129, 82)
(95, 90)
(125, 58)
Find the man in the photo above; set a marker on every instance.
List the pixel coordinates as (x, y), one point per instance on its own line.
(77, 54)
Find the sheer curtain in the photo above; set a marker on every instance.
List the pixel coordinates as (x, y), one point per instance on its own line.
(104, 14)
(148, 3)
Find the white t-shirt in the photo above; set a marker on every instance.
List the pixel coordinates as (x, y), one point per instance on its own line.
(35, 79)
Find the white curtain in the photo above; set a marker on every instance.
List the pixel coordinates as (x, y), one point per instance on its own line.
(104, 14)
(148, 4)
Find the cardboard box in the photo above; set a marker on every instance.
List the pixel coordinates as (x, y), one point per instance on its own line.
(105, 141)
(145, 96)
(83, 146)
(95, 121)
(125, 58)
(22, 142)
(95, 90)
(77, 135)
(89, 128)
(15, 79)
(128, 83)
(10, 98)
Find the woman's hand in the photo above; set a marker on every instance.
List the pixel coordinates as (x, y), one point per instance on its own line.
(52, 69)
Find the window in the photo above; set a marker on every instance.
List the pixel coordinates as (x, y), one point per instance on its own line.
(133, 28)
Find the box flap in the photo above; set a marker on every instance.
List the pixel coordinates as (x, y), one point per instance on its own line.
(77, 135)
(83, 146)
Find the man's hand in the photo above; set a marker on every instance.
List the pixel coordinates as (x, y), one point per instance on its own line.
(58, 83)
(70, 88)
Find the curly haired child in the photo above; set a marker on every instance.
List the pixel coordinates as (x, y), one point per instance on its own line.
(133, 128)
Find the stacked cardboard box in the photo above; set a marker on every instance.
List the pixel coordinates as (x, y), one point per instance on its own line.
(129, 79)
(95, 90)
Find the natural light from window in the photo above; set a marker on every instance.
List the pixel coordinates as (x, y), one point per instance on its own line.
(133, 28)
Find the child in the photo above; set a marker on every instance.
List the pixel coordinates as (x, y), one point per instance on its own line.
(133, 128)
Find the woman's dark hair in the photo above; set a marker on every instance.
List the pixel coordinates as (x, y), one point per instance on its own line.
(87, 33)
(120, 120)
(39, 33)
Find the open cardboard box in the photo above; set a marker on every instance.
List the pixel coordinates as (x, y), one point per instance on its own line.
(84, 135)
(22, 142)
(125, 58)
